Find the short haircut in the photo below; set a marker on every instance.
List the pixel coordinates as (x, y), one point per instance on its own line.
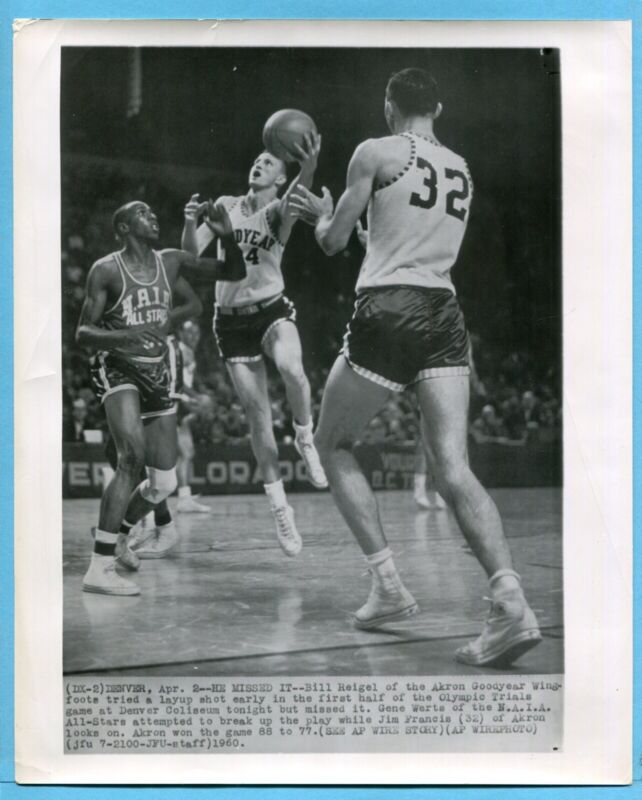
(122, 214)
(414, 91)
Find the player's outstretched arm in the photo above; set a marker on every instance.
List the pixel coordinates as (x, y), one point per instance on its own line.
(89, 333)
(195, 237)
(211, 269)
(308, 157)
(233, 268)
(332, 230)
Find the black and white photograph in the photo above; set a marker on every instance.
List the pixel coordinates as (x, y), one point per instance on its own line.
(258, 411)
(313, 400)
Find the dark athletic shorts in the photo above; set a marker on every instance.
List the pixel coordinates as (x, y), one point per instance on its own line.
(112, 373)
(399, 335)
(241, 332)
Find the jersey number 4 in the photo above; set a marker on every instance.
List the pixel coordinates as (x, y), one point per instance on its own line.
(252, 256)
(454, 196)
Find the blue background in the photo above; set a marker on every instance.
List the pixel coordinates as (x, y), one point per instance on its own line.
(278, 9)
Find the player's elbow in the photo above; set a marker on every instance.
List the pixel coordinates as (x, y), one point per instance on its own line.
(81, 335)
(330, 243)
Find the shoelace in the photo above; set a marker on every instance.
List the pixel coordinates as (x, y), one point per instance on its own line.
(492, 610)
(282, 521)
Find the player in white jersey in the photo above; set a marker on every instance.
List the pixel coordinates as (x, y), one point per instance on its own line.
(183, 370)
(407, 329)
(249, 322)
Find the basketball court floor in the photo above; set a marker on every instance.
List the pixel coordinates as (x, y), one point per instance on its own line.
(230, 603)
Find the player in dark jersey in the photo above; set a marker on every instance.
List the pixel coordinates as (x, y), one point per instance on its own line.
(408, 329)
(155, 535)
(126, 316)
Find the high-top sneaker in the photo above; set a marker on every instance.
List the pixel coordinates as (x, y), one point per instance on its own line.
(389, 600)
(102, 578)
(190, 505)
(510, 630)
(125, 555)
(308, 452)
(161, 544)
(286, 531)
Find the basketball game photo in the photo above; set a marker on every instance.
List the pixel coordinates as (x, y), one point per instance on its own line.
(313, 399)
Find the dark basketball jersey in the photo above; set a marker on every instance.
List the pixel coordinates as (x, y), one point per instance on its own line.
(140, 303)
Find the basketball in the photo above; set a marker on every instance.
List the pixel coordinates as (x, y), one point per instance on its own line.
(284, 129)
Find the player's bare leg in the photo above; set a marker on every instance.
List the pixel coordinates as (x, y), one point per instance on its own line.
(425, 497)
(349, 403)
(283, 345)
(250, 382)
(123, 416)
(511, 628)
(187, 504)
(160, 458)
(134, 536)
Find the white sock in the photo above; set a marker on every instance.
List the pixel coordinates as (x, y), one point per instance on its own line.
(303, 431)
(184, 491)
(276, 494)
(420, 484)
(107, 537)
(503, 581)
(101, 561)
(382, 563)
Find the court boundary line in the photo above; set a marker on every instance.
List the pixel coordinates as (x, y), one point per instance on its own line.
(301, 651)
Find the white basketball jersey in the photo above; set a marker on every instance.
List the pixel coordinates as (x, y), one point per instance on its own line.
(417, 220)
(262, 251)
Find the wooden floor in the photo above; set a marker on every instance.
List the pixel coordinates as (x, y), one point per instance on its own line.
(230, 603)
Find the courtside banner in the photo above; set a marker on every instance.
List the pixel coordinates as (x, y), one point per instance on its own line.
(232, 469)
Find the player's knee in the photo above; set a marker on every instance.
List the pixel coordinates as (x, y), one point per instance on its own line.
(450, 474)
(131, 457)
(329, 443)
(291, 369)
(159, 484)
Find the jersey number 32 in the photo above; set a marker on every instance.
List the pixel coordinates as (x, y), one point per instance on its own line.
(457, 194)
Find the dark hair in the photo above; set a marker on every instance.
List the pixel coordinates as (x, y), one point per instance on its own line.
(414, 91)
(122, 214)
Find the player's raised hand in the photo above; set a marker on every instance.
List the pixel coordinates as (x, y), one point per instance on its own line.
(307, 154)
(362, 234)
(309, 207)
(218, 220)
(194, 208)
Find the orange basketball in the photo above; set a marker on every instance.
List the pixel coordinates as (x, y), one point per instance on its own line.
(284, 129)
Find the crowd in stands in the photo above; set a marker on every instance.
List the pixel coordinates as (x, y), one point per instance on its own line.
(514, 394)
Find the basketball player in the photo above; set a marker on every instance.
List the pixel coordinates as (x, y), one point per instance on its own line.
(426, 499)
(407, 329)
(254, 319)
(126, 316)
(183, 355)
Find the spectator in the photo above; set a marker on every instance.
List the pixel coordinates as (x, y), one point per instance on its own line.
(76, 424)
(530, 411)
